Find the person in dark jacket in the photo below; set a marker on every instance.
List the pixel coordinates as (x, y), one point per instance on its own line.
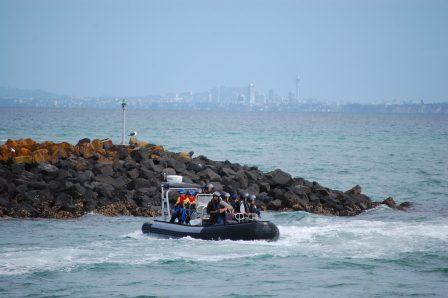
(208, 188)
(253, 206)
(244, 206)
(234, 202)
(217, 210)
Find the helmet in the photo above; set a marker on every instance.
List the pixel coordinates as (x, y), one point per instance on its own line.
(234, 196)
(209, 185)
(252, 197)
(226, 195)
(245, 195)
(216, 194)
(181, 191)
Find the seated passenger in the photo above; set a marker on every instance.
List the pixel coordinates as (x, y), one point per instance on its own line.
(233, 201)
(190, 207)
(209, 188)
(244, 206)
(179, 211)
(217, 209)
(225, 196)
(253, 206)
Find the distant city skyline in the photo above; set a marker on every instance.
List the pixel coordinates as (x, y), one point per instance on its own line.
(343, 51)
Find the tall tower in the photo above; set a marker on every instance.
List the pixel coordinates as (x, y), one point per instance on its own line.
(251, 94)
(297, 89)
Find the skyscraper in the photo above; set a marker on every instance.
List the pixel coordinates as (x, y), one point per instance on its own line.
(251, 94)
(297, 89)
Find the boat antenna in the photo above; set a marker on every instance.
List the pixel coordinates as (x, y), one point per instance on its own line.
(123, 133)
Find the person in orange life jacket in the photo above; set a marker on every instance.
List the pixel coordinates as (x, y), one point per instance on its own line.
(253, 206)
(179, 211)
(190, 207)
(217, 209)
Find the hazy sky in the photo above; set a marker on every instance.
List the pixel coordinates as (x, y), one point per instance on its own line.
(343, 50)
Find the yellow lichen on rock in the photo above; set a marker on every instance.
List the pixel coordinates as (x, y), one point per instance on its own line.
(26, 159)
(97, 145)
(40, 156)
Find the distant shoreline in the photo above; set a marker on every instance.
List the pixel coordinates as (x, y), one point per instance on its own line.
(443, 109)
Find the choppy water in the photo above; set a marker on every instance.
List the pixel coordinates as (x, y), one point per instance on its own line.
(379, 253)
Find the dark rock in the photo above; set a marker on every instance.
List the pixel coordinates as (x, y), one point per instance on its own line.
(38, 185)
(83, 141)
(140, 154)
(64, 202)
(134, 173)
(122, 151)
(47, 169)
(195, 166)
(264, 186)
(227, 171)
(177, 165)
(76, 191)
(103, 169)
(406, 205)
(390, 202)
(242, 180)
(252, 174)
(278, 177)
(85, 177)
(356, 190)
(129, 164)
(3, 183)
(168, 171)
(145, 173)
(209, 174)
(118, 166)
(103, 189)
(139, 183)
(275, 204)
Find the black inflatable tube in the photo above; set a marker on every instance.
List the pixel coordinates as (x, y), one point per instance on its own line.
(255, 230)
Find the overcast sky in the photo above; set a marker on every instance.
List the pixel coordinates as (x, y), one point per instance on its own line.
(363, 51)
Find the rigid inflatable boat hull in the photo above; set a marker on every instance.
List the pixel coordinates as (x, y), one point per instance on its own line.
(255, 230)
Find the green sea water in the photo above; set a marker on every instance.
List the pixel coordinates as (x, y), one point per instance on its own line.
(380, 253)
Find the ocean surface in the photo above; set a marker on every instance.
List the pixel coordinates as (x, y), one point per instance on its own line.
(381, 253)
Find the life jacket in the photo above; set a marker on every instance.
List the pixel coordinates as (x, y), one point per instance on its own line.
(182, 200)
(192, 199)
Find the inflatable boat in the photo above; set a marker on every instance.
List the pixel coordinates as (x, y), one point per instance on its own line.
(254, 230)
(242, 228)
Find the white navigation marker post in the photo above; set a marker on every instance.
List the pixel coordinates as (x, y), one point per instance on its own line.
(123, 133)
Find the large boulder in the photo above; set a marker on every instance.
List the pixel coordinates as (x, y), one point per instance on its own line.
(278, 177)
(275, 204)
(209, 174)
(179, 166)
(140, 154)
(40, 156)
(86, 150)
(390, 202)
(356, 190)
(83, 141)
(47, 169)
(97, 145)
(195, 166)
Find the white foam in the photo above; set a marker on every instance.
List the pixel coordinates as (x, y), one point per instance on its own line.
(313, 236)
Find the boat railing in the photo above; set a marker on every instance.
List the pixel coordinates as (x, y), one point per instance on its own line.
(246, 217)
